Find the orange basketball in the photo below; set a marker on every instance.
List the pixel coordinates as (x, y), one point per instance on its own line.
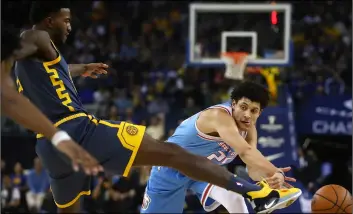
(332, 199)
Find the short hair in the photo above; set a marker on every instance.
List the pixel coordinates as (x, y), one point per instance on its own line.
(10, 40)
(252, 91)
(42, 9)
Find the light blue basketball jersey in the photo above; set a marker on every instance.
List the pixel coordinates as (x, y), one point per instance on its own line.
(188, 136)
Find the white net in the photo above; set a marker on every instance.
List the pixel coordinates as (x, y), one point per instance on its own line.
(235, 65)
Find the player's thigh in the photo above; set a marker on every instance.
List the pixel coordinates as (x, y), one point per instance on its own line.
(167, 201)
(202, 190)
(66, 185)
(115, 144)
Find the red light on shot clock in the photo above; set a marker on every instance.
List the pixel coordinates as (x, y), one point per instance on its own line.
(274, 19)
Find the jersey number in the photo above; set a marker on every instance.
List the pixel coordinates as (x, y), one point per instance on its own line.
(219, 157)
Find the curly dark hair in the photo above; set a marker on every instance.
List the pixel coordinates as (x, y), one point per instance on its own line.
(252, 91)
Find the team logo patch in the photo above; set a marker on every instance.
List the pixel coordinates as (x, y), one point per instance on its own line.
(146, 202)
(131, 130)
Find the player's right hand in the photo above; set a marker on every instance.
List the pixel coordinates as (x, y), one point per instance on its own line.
(79, 157)
(279, 179)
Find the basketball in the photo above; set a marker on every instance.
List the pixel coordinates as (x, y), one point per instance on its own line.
(332, 199)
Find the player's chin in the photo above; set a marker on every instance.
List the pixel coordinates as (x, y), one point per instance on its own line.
(245, 125)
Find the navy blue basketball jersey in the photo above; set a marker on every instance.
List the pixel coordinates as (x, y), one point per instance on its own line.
(49, 86)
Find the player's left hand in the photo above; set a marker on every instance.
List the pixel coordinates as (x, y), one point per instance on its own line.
(278, 180)
(94, 69)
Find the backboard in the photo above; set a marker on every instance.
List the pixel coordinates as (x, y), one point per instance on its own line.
(262, 30)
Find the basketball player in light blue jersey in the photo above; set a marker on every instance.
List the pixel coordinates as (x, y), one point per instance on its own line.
(220, 133)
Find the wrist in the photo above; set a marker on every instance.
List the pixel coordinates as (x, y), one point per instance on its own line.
(281, 172)
(84, 69)
(59, 136)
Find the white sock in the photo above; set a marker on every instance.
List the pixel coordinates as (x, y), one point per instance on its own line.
(233, 202)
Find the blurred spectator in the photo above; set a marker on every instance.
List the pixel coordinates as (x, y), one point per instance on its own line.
(310, 169)
(38, 183)
(10, 196)
(129, 116)
(101, 96)
(125, 192)
(156, 127)
(18, 178)
(113, 113)
(103, 195)
(121, 101)
(158, 105)
(190, 107)
(20, 182)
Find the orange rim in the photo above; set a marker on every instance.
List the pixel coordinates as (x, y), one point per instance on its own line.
(238, 57)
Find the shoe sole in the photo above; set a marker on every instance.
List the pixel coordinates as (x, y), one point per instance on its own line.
(283, 204)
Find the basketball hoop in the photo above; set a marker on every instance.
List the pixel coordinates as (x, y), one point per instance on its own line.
(235, 64)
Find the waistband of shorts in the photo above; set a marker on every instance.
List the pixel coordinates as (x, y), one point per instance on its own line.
(72, 117)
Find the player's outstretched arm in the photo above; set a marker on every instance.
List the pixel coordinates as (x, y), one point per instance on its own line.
(227, 129)
(277, 180)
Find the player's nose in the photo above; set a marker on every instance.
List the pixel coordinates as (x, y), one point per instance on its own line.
(247, 115)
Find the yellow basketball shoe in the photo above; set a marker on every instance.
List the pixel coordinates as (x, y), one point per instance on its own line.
(288, 197)
(267, 200)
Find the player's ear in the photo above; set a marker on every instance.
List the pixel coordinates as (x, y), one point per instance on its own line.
(234, 103)
(49, 21)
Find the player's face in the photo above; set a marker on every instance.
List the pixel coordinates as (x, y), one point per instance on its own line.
(245, 113)
(62, 24)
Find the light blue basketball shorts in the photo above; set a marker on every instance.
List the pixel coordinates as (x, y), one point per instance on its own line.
(166, 191)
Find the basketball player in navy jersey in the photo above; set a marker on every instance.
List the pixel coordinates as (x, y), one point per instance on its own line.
(45, 78)
(17, 107)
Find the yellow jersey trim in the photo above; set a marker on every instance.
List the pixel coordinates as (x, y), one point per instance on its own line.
(74, 200)
(19, 85)
(130, 136)
(57, 50)
(132, 139)
(55, 80)
(71, 117)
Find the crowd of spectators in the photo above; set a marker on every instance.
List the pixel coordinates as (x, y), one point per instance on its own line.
(148, 83)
